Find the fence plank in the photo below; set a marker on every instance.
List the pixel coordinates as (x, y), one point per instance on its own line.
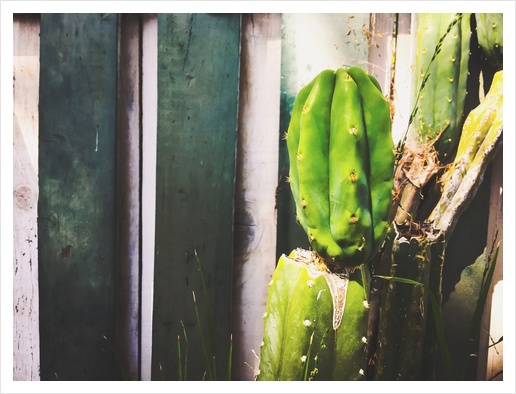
(77, 195)
(127, 279)
(198, 61)
(380, 50)
(149, 130)
(257, 166)
(403, 77)
(490, 362)
(25, 196)
(310, 44)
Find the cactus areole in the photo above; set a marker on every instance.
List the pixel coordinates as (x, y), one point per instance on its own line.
(341, 165)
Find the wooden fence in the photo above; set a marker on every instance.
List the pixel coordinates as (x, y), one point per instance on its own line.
(144, 142)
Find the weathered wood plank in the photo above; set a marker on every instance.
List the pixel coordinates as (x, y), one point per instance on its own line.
(76, 211)
(149, 130)
(381, 49)
(310, 44)
(127, 279)
(198, 62)
(257, 166)
(490, 363)
(25, 197)
(403, 67)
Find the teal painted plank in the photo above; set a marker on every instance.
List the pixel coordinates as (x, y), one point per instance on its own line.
(310, 43)
(76, 224)
(198, 63)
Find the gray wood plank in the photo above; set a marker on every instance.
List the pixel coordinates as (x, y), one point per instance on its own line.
(76, 211)
(198, 65)
(254, 254)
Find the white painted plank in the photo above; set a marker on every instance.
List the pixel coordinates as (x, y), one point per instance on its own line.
(381, 49)
(403, 78)
(25, 198)
(256, 181)
(149, 130)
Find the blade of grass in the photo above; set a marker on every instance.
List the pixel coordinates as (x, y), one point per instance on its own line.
(211, 328)
(316, 358)
(490, 346)
(179, 361)
(161, 371)
(479, 310)
(439, 327)
(186, 350)
(124, 375)
(206, 361)
(229, 359)
(304, 374)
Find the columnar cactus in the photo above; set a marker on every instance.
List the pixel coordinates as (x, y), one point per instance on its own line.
(341, 165)
(481, 138)
(441, 102)
(311, 307)
(490, 37)
(341, 176)
(407, 339)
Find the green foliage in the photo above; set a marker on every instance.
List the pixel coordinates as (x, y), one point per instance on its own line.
(211, 335)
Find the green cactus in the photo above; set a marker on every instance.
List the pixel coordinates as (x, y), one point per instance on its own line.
(481, 138)
(311, 307)
(341, 176)
(341, 165)
(490, 37)
(441, 102)
(407, 338)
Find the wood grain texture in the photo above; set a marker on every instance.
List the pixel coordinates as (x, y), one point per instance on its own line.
(381, 49)
(254, 254)
(490, 363)
(128, 215)
(310, 43)
(77, 205)
(402, 78)
(198, 63)
(26, 346)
